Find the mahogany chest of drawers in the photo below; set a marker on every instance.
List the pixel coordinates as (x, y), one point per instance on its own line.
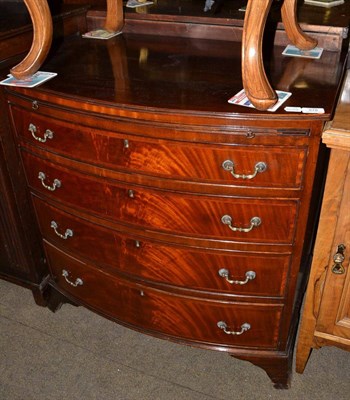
(182, 223)
(171, 230)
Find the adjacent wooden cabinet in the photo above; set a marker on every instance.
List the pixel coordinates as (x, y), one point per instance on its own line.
(326, 317)
(21, 256)
(21, 259)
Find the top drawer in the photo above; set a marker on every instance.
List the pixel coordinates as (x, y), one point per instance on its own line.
(228, 164)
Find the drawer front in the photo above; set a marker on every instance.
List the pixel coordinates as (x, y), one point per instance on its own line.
(261, 221)
(187, 318)
(226, 164)
(233, 273)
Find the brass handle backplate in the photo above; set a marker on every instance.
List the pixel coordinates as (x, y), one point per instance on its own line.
(254, 222)
(68, 233)
(338, 259)
(56, 183)
(249, 275)
(229, 165)
(47, 135)
(244, 327)
(77, 282)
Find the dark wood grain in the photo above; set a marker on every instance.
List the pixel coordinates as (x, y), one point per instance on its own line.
(154, 310)
(179, 213)
(182, 74)
(277, 368)
(164, 158)
(226, 21)
(21, 255)
(187, 267)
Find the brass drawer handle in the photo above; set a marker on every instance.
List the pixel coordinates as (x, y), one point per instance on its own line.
(67, 234)
(244, 327)
(56, 183)
(249, 275)
(229, 165)
(338, 259)
(254, 222)
(48, 134)
(78, 281)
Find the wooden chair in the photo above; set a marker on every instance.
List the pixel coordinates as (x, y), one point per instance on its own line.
(255, 82)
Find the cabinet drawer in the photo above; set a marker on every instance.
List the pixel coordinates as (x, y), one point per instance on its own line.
(261, 275)
(263, 221)
(166, 158)
(160, 312)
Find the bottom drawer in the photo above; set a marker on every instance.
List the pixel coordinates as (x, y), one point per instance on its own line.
(160, 312)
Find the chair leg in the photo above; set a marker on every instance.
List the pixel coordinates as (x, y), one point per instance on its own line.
(255, 83)
(42, 37)
(115, 16)
(293, 30)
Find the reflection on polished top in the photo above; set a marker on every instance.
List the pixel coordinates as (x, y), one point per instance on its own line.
(183, 73)
(255, 76)
(179, 73)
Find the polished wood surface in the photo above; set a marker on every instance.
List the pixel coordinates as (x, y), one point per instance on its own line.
(180, 159)
(21, 253)
(164, 18)
(307, 14)
(188, 81)
(20, 249)
(162, 313)
(145, 259)
(257, 87)
(21, 260)
(325, 319)
(160, 210)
